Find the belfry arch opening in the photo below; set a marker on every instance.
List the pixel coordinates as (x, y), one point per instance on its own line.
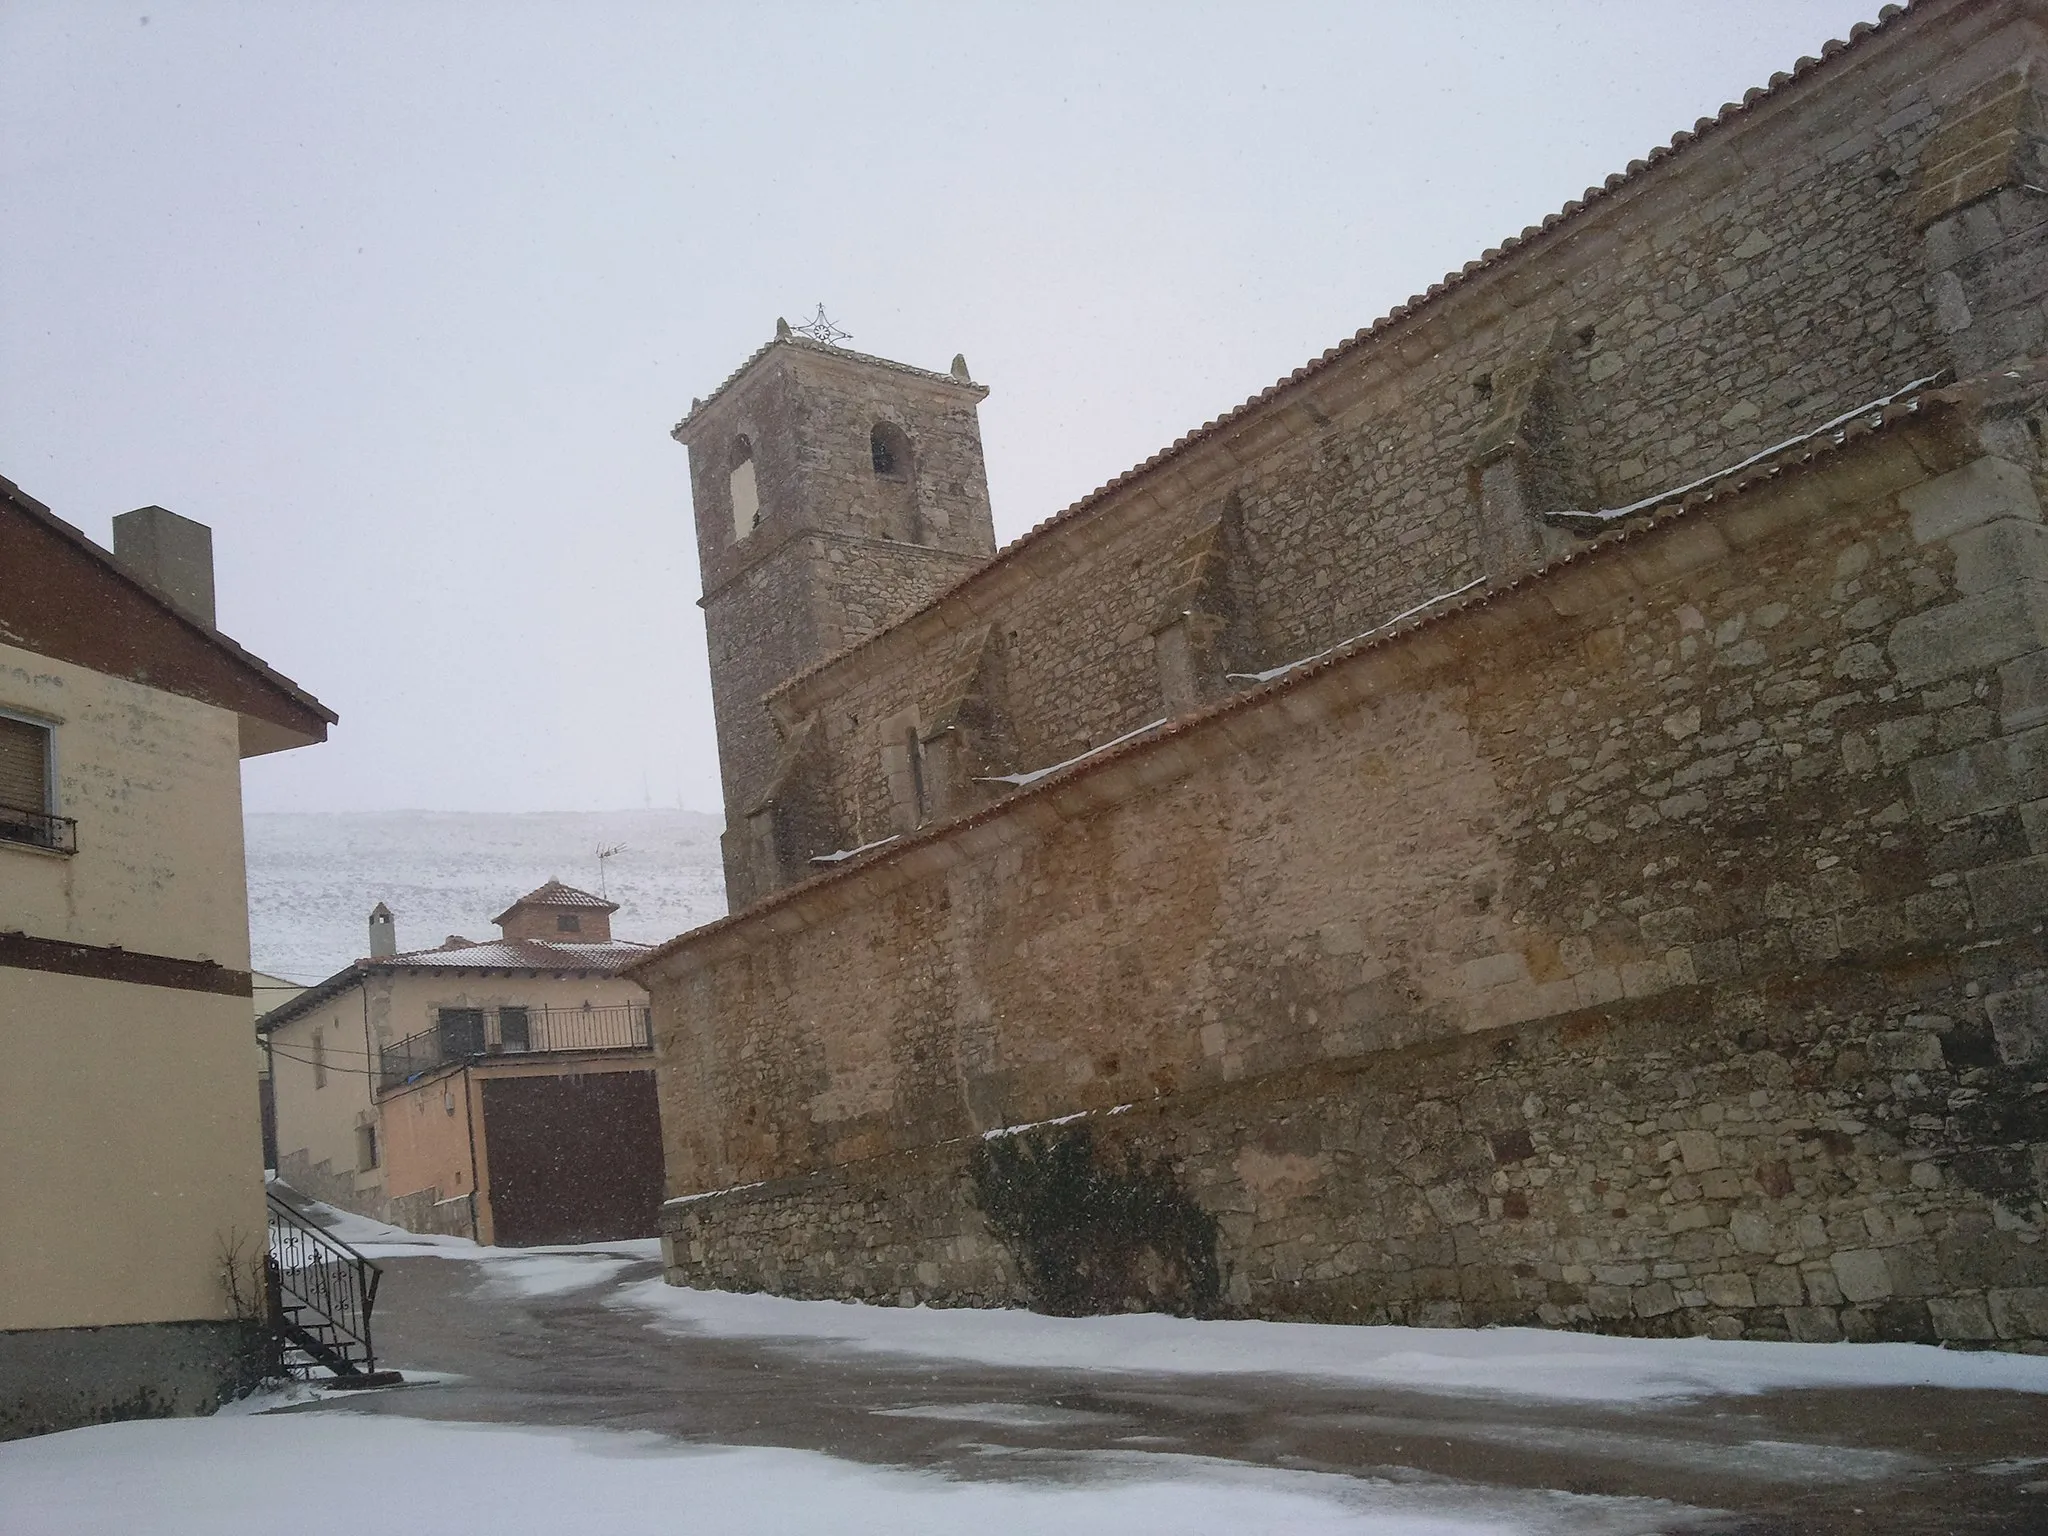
(892, 458)
(744, 489)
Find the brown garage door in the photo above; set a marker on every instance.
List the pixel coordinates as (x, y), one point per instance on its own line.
(573, 1159)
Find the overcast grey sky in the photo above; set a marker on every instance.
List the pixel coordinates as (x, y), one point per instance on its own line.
(403, 298)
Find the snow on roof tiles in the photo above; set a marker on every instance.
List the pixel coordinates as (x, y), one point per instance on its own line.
(556, 894)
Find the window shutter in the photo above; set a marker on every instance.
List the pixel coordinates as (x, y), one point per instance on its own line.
(462, 1033)
(24, 766)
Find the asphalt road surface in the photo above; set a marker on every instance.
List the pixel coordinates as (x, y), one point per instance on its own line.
(1899, 1460)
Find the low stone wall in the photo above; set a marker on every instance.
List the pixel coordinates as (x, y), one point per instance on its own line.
(64, 1378)
(425, 1211)
(319, 1181)
(896, 1229)
(1734, 1161)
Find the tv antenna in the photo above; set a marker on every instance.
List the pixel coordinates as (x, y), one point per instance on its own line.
(606, 851)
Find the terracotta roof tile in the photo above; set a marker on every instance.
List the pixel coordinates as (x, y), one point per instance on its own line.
(556, 894)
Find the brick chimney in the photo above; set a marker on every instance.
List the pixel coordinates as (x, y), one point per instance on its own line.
(171, 553)
(383, 933)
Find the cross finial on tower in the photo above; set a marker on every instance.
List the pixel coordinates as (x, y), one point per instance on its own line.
(818, 328)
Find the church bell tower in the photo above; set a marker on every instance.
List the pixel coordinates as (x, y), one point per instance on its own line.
(834, 493)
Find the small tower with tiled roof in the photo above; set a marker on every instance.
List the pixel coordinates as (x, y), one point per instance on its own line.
(559, 913)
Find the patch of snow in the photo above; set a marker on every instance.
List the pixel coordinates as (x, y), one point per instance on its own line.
(1004, 1415)
(1522, 1362)
(1286, 667)
(380, 1240)
(1767, 1461)
(1037, 1125)
(1023, 780)
(1835, 424)
(553, 1274)
(708, 1194)
(841, 855)
(199, 1477)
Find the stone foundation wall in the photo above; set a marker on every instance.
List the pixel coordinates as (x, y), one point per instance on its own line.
(1736, 1162)
(319, 1181)
(425, 1211)
(64, 1378)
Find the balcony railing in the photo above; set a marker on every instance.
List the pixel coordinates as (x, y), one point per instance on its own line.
(460, 1036)
(59, 834)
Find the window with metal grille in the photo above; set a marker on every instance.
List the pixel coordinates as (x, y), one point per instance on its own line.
(24, 766)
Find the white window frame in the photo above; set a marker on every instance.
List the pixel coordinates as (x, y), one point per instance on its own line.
(48, 727)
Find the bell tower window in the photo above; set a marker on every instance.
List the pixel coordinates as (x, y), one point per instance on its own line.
(746, 493)
(889, 451)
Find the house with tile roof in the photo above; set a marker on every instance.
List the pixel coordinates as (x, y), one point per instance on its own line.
(132, 1208)
(1534, 817)
(501, 1089)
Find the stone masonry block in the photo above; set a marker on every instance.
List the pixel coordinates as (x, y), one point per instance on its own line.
(1861, 1274)
(1970, 635)
(1813, 1325)
(1655, 1299)
(1980, 492)
(1961, 1317)
(1913, 1269)
(1984, 777)
(1753, 1232)
(1963, 783)
(2020, 1314)
(1699, 1149)
(1999, 554)
(2019, 1024)
(2023, 692)
(2013, 892)
(1777, 1285)
(1729, 1290)
(1906, 1050)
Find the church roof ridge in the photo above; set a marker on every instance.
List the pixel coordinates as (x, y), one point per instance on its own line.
(1730, 113)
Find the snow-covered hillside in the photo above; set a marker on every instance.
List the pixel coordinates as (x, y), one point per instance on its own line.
(314, 878)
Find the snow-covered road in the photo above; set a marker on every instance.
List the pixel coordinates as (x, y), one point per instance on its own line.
(569, 1390)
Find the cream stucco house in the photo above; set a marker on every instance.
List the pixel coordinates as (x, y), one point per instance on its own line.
(128, 1121)
(501, 1090)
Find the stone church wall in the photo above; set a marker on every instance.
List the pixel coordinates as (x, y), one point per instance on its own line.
(1762, 281)
(1654, 946)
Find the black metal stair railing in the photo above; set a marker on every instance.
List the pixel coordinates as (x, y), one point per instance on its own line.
(322, 1293)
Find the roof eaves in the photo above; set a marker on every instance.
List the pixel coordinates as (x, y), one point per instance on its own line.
(320, 992)
(40, 513)
(806, 344)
